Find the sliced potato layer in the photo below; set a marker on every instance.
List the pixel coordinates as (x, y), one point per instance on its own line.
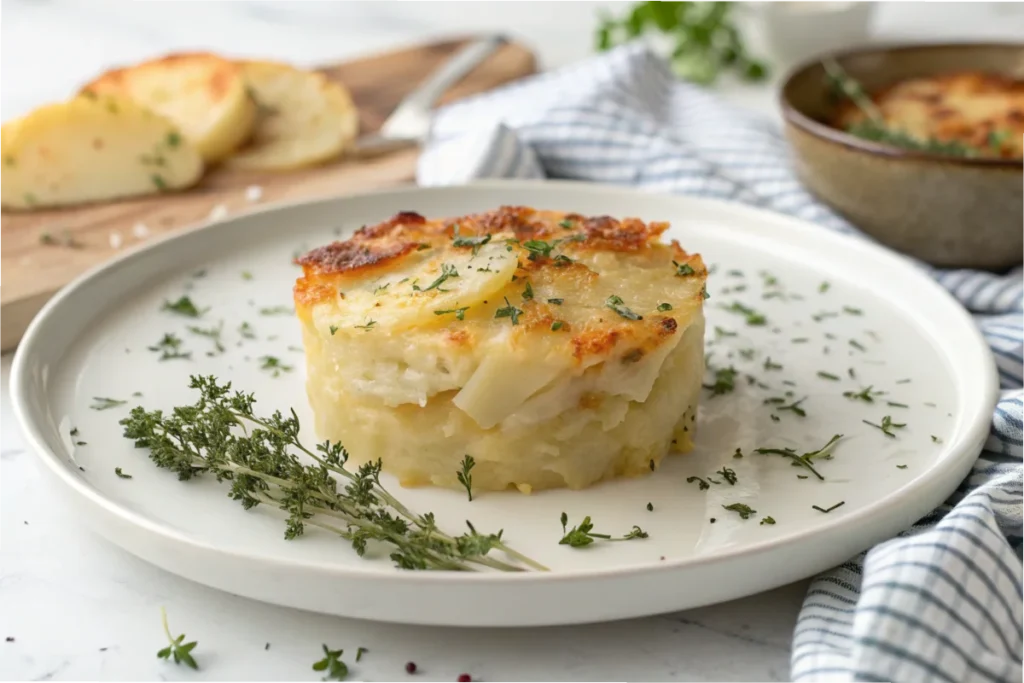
(93, 148)
(203, 94)
(305, 118)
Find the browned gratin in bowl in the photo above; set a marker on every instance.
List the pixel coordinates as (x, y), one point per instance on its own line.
(554, 349)
(920, 146)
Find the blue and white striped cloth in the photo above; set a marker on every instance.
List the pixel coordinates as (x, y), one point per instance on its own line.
(943, 601)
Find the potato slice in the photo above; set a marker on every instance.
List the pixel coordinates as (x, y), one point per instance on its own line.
(305, 118)
(203, 94)
(93, 148)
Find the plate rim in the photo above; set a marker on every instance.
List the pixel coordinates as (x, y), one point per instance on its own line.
(967, 448)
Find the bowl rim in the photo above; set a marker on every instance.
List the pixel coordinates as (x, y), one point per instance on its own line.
(793, 116)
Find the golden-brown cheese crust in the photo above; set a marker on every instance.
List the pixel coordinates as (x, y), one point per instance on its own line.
(974, 108)
(374, 250)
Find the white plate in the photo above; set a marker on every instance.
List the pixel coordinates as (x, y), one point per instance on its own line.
(91, 340)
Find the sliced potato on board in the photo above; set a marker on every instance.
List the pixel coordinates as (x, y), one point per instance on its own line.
(305, 118)
(93, 148)
(203, 94)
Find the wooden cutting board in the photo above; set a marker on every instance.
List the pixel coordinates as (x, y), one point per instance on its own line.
(32, 270)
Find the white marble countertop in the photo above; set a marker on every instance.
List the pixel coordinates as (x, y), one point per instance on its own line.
(75, 607)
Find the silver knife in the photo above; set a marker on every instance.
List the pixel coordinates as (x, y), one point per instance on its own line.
(409, 123)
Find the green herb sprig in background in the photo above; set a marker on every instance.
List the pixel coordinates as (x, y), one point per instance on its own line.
(705, 40)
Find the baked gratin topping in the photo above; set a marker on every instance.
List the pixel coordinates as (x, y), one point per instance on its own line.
(517, 336)
(983, 112)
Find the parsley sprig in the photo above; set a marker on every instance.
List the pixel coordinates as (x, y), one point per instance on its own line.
(336, 670)
(179, 651)
(221, 436)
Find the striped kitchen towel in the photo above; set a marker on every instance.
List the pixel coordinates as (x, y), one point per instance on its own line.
(943, 601)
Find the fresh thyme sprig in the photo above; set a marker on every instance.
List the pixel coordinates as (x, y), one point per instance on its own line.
(887, 426)
(220, 435)
(464, 476)
(874, 126)
(180, 652)
(583, 535)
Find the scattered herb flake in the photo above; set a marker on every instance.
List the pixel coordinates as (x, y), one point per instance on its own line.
(528, 292)
(743, 510)
(104, 403)
(866, 394)
(615, 303)
(474, 242)
(583, 535)
(725, 381)
(683, 269)
(728, 474)
(509, 311)
(246, 330)
(767, 520)
(650, 507)
(274, 365)
(184, 306)
(556, 302)
(369, 325)
(769, 365)
(120, 474)
(752, 317)
(460, 313)
(664, 307)
(857, 345)
(823, 287)
(246, 275)
(852, 311)
(894, 404)
(557, 325)
(701, 484)
(828, 375)
(887, 426)
(827, 510)
(277, 310)
(936, 439)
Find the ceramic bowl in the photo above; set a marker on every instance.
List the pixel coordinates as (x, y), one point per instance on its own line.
(947, 211)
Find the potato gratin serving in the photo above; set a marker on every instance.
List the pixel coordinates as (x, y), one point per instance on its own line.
(555, 349)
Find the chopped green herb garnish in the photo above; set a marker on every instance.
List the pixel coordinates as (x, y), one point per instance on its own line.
(334, 328)
(246, 330)
(370, 324)
(738, 453)
(103, 403)
(752, 316)
(851, 373)
(509, 311)
(805, 460)
(184, 306)
(276, 310)
(210, 332)
(683, 269)
(903, 381)
(557, 325)
(743, 510)
(664, 307)
(800, 340)
(556, 302)
(866, 394)
(767, 520)
(567, 224)
(179, 651)
(246, 275)
(120, 474)
(828, 375)
(650, 507)
(936, 439)
(725, 381)
(528, 292)
(827, 510)
(722, 332)
(158, 181)
(615, 303)
(274, 365)
(823, 287)
(901, 467)
(818, 317)
(769, 365)
(704, 293)
(460, 313)
(795, 407)
(701, 484)
(336, 670)
(539, 248)
(583, 535)
(382, 288)
(857, 345)
(728, 474)
(887, 426)
(894, 404)
(447, 271)
(474, 242)
(169, 348)
(464, 476)
(852, 311)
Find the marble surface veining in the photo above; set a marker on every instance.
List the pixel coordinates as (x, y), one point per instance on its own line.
(73, 606)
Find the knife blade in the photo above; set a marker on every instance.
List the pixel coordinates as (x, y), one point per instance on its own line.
(409, 123)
